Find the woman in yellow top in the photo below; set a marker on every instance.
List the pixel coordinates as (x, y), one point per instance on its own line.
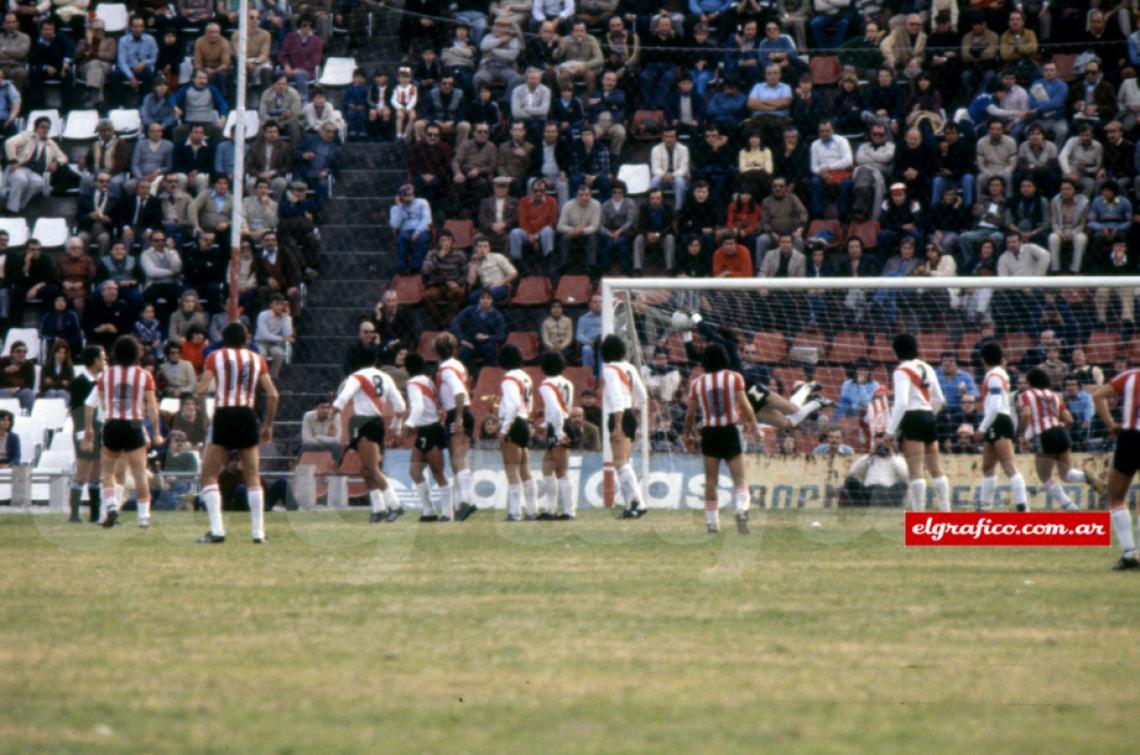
(755, 165)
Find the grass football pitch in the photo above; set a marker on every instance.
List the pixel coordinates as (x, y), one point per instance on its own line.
(590, 636)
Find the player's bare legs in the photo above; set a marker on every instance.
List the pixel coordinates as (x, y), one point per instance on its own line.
(1000, 452)
(381, 497)
(516, 460)
(433, 461)
(555, 466)
(213, 459)
(462, 483)
(923, 457)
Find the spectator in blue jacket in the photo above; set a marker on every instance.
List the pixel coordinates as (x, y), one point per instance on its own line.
(606, 109)
(725, 109)
(685, 108)
(954, 382)
(1047, 100)
(857, 392)
(9, 441)
(410, 219)
(200, 102)
(480, 329)
(568, 113)
(1109, 218)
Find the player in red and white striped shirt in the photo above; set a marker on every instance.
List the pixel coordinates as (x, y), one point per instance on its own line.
(125, 397)
(720, 397)
(1046, 421)
(1126, 458)
(236, 373)
(459, 424)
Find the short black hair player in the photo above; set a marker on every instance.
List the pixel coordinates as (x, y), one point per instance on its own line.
(1045, 423)
(557, 397)
(451, 381)
(427, 451)
(720, 397)
(236, 374)
(623, 392)
(92, 362)
(516, 402)
(997, 431)
(917, 398)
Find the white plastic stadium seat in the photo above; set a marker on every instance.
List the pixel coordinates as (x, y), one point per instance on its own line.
(17, 230)
(51, 232)
(113, 16)
(252, 124)
(11, 405)
(636, 178)
(127, 123)
(30, 337)
(31, 433)
(52, 115)
(80, 125)
(51, 411)
(337, 72)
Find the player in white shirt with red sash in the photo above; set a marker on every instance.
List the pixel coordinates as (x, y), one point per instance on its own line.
(459, 424)
(424, 419)
(235, 373)
(622, 393)
(918, 397)
(516, 402)
(719, 395)
(125, 397)
(371, 391)
(557, 397)
(997, 431)
(1125, 387)
(1046, 420)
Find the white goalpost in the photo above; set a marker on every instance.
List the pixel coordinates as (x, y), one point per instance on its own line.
(819, 322)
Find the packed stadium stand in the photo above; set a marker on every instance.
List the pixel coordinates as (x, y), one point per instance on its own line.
(417, 156)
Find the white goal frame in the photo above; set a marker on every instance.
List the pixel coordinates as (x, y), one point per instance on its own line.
(613, 289)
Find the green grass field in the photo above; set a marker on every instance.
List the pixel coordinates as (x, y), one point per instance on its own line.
(592, 636)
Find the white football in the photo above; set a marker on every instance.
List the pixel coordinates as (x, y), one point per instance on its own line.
(681, 321)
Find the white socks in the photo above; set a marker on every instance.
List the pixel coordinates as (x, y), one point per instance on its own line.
(918, 495)
(805, 411)
(550, 491)
(712, 514)
(445, 503)
(743, 499)
(1122, 528)
(424, 493)
(212, 500)
(110, 501)
(942, 489)
(987, 501)
(376, 501)
(800, 394)
(514, 499)
(630, 490)
(530, 492)
(466, 482)
(390, 499)
(1017, 487)
(1076, 475)
(567, 495)
(256, 497)
(144, 510)
(1054, 490)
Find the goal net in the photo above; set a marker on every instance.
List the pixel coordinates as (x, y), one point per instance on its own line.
(830, 338)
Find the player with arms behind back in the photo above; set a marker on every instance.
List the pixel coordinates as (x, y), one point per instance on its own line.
(92, 362)
(918, 397)
(557, 397)
(458, 425)
(720, 396)
(371, 390)
(235, 373)
(124, 396)
(1126, 458)
(1046, 422)
(997, 431)
(622, 393)
(516, 401)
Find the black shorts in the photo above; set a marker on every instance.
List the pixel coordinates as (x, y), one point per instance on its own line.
(1126, 459)
(468, 423)
(1002, 427)
(1052, 442)
(552, 435)
(721, 442)
(372, 430)
(430, 437)
(96, 447)
(758, 396)
(628, 423)
(519, 433)
(124, 435)
(919, 425)
(234, 428)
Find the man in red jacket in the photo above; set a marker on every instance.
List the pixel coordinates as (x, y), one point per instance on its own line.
(538, 216)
